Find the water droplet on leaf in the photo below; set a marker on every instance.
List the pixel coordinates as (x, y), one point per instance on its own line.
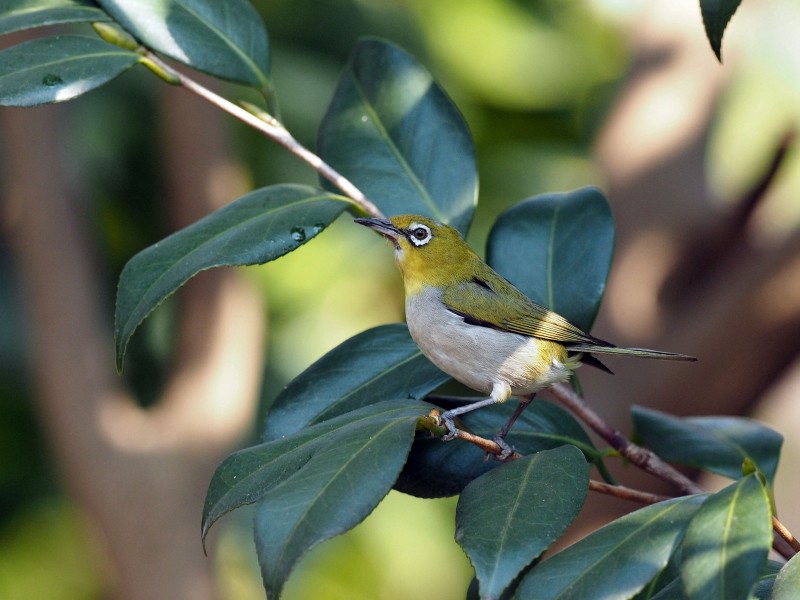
(318, 227)
(298, 234)
(51, 79)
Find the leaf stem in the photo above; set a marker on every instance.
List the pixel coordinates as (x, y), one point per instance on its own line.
(274, 130)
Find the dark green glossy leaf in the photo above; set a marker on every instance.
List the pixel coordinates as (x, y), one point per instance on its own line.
(665, 582)
(787, 582)
(225, 39)
(672, 591)
(393, 132)
(379, 364)
(616, 561)
(16, 15)
(509, 516)
(557, 249)
(258, 227)
(718, 444)
(716, 15)
(320, 455)
(727, 542)
(762, 591)
(323, 481)
(766, 582)
(437, 469)
(58, 68)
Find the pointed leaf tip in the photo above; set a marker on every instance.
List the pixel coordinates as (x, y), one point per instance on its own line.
(716, 16)
(257, 228)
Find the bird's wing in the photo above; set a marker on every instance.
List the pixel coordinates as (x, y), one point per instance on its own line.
(491, 301)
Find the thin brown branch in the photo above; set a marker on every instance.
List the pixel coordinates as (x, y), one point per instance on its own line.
(781, 530)
(625, 493)
(641, 457)
(647, 460)
(488, 446)
(618, 491)
(274, 130)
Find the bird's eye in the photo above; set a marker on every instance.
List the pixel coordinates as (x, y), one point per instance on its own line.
(419, 234)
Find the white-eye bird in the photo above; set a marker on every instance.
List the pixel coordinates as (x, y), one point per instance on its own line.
(478, 328)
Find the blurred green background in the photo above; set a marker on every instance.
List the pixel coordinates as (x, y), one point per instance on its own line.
(538, 82)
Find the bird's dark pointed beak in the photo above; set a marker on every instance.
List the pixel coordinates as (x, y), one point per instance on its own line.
(382, 226)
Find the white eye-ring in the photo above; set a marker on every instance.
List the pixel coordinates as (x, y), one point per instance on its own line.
(419, 234)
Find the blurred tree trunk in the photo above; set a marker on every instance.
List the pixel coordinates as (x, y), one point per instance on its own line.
(140, 474)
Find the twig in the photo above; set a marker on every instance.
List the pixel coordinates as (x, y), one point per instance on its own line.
(274, 130)
(488, 446)
(647, 460)
(641, 457)
(781, 530)
(619, 491)
(626, 493)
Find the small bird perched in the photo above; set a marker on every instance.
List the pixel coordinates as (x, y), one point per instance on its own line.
(478, 328)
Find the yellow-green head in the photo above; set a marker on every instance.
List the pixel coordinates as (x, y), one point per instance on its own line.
(427, 252)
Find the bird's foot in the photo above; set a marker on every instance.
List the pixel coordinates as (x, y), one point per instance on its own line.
(446, 419)
(506, 449)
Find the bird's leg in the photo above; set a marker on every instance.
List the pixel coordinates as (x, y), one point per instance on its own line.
(500, 393)
(447, 417)
(500, 438)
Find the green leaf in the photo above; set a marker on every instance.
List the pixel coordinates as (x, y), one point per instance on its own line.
(718, 444)
(557, 249)
(257, 228)
(225, 39)
(382, 363)
(299, 462)
(727, 542)
(58, 68)
(509, 516)
(393, 132)
(716, 15)
(616, 561)
(16, 15)
(764, 589)
(668, 577)
(315, 484)
(438, 469)
(672, 591)
(787, 582)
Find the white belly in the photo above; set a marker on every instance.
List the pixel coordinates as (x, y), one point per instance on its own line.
(479, 357)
